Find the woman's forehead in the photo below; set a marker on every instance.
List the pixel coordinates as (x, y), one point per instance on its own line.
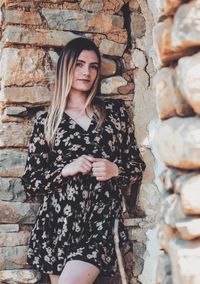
(88, 55)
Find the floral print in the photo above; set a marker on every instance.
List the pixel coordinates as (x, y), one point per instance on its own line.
(77, 215)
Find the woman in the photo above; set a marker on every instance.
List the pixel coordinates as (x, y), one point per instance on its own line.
(80, 154)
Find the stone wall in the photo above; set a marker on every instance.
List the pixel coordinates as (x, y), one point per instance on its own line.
(32, 35)
(177, 89)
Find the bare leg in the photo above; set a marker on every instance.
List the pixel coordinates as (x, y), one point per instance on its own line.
(53, 278)
(78, 272)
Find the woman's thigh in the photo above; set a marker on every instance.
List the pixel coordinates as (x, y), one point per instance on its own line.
(53, 278)
(77, 271)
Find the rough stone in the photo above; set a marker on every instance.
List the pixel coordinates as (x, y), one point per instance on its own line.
(41, 37)
(189, 228)
(20, 276)
(163, 46)
(112, 48)
(172, 210)
(16, 111)
(190, 195)
(81, 21)
(14, 239)
(188, 80)
(138, 25)
(163, 275)
(139, 59)
(14, 134)
(137, 234)
(168, 7)
(133, 5)
(18, 212)
(169, 101)
(12, 163)
(129, 88)
(165, 93)
(111, 85)
(13, 257)
(181, 147)
(185, 259)
(185, 32)
(22, 17)
(27, 96)
(11, 190)
(8, 228)
(114, 6)
(24, 67)
(109, 67)
(97, 5)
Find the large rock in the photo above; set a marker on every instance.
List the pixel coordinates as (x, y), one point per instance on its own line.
(178, 141)
(14, 134)
(20, 276)
(25, 66)
(22, 17)
(172, 211)
(185, 259)
(11, 190)
(13, 257)
(95, 6)
(14, 239)
(108, 67)
(188, 80)
(168, 99)
(185, 32)
(138, 25)
(112, 48)
(28, 96)
(168, 7)
(190, 195)
(7, 228)
(189, 228)
(12, 163)
(111, 85)
(18, 212)
(166, 53)
(41, 37)
(75, 20)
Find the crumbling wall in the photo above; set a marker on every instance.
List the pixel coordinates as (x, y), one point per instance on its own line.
(32, 36)
(177, 88)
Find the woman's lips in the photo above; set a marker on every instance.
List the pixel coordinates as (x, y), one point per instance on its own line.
(84, 80)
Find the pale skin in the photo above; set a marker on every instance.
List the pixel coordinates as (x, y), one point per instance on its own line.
(76, 271)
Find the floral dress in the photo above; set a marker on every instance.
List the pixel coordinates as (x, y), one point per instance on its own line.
(77, 215)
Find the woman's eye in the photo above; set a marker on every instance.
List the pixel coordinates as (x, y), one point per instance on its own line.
(95, 67)
(79, 64)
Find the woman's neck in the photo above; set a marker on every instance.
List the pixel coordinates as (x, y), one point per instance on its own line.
(76, 100)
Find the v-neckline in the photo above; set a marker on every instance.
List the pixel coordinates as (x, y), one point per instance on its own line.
(75, 122)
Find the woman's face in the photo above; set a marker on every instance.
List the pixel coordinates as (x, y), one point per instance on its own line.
(86, 69)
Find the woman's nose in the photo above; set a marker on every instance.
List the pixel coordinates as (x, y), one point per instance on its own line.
(86, 70)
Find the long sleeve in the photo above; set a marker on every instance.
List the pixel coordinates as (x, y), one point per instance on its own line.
(130, 163)
(43, 168)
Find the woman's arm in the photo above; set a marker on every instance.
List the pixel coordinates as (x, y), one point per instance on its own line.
(42, 170)
(130, 163)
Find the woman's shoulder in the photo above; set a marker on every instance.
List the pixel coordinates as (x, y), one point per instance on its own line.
(40, 118)
(114, 105)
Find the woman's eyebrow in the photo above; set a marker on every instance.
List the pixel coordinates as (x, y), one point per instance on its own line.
(95, 62)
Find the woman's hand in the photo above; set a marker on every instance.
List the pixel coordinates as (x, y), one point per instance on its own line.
(82, 164)
(103, 169)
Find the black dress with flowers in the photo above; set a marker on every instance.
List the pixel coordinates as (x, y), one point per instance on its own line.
(77, 215)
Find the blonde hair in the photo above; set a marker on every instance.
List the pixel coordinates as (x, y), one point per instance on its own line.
(63, 83)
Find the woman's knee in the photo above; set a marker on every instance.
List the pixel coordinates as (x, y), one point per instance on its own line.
(69, 280)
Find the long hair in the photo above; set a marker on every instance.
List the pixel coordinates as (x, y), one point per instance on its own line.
(63, 83)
